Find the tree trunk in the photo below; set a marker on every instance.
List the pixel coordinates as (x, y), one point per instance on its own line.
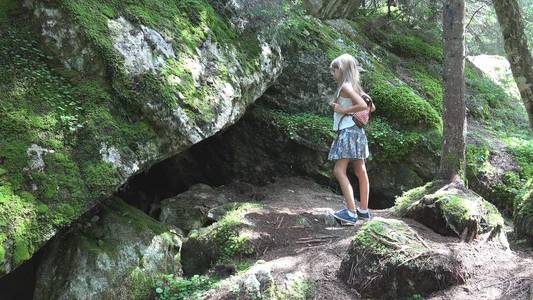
(452, 165)
(517, 50)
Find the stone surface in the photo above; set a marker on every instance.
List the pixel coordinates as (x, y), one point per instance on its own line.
(119, 256)
(452, 209)
(122, 86)
(190, 209)
(388, 260)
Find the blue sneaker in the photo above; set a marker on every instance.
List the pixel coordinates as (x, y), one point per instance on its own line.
(343, 216)
(364, 216)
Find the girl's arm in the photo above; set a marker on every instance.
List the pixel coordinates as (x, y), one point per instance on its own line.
(358, 104)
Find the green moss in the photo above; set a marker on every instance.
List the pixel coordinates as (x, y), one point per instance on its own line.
(428, 85)
(399, 104)
(190, 23)
(3, 237)
(403, 202)
(494, 217)
(370, 237)
(21, 252)
(392, 144)
(414, 47)
(455, 209)
(477, 157)
(230, 240)
(311, 34)
(308, 129)
(100, 177)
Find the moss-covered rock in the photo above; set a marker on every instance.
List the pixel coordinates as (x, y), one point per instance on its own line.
(93, 92)
(189, 210)
(388, 260)
(120, 254)
(226, 239)
(451, 209)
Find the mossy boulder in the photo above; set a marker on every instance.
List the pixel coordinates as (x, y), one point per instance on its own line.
(119, 254)
(189, 210)
(229, 238)
(523, 219)
(94, 92)
(451, 209)
(388, 260)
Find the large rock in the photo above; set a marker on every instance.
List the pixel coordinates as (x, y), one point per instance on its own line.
(229, 238)
(332, 9)
(388, 260)
(111, 89)
(118, 255)
(452, 209)
(189, 210)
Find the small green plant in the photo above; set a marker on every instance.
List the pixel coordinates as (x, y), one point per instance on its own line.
(172, 287)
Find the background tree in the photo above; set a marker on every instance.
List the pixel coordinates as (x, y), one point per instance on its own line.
(517, 50)
(452, 164)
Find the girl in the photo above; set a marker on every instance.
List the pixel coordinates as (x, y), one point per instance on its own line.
(351, 144)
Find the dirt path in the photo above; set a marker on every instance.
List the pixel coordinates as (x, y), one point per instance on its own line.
(295, 238)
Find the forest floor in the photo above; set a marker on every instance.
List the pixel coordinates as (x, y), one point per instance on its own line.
(299, 242)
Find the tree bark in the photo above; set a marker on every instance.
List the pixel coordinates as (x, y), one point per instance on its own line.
(515, 44)
(452, 165)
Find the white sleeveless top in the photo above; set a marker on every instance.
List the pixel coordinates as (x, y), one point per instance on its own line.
(346, 121)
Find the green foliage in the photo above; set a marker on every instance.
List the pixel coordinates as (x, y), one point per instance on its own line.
(177, 288)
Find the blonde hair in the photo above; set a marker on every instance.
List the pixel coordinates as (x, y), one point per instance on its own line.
(347, 64)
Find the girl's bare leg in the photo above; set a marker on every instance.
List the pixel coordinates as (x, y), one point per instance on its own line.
(347, 191)
(359, 169)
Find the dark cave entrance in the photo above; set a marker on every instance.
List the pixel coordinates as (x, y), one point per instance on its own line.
(250, 151)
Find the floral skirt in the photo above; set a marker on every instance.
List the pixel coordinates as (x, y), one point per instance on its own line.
(350, 143)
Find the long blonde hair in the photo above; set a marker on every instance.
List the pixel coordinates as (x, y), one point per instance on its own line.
(347, 64)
